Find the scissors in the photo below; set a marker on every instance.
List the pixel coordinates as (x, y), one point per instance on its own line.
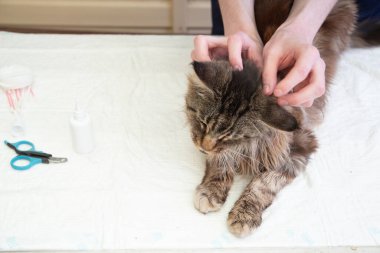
(31, 156)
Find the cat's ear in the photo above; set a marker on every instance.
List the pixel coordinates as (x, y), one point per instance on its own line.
(247, 80)
(213, 73)
(277, 117)
(202, 69)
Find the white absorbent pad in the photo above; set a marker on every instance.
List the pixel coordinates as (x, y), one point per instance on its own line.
(135, 190)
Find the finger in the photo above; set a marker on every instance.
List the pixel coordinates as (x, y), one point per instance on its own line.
(200, 51)
(304, 62)
(256, 57)
(271, 61)
(203, 44)
(235, 46)
(219, 53)
(307, 104)
(301, 85)
(315, 89)
(298, 98)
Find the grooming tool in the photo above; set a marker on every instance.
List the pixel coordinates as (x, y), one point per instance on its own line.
(31, 156)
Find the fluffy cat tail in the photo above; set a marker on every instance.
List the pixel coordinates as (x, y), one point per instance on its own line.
(367, 34)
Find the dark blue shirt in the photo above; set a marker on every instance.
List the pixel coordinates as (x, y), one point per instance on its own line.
(368, 10)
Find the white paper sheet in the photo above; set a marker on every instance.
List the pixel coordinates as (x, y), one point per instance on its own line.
(135, 191)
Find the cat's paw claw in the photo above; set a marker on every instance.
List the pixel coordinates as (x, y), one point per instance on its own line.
(203, 202)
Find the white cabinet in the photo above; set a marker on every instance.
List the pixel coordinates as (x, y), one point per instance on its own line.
(107, 16)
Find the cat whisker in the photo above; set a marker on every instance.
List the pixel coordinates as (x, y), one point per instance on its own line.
(245, 157)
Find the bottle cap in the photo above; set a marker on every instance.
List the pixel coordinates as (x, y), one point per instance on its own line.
(79, 112)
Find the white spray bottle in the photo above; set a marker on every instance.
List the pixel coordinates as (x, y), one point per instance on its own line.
(81, 131)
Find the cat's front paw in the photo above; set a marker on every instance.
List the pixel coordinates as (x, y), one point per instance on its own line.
(242, 221)
(205, 200)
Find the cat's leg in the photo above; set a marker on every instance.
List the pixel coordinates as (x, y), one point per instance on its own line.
(211, 194)
(261, 191)
(259, 194)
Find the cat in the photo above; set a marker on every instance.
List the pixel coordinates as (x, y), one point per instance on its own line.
(242, 131)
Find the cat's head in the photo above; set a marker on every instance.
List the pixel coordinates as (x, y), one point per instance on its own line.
(226, 107)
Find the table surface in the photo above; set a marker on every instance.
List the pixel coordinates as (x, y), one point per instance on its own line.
(135, 190)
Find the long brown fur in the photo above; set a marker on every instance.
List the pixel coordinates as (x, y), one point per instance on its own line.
(245, 132)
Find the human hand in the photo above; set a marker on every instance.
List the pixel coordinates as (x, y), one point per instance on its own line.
(235, 47)
(306, 78)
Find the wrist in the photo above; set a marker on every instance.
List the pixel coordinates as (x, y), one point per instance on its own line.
(298, 30)
(306, 17)
(252, 33)
(238, 16)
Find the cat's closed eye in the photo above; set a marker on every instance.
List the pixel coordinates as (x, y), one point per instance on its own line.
(224, 135)
(203, 124)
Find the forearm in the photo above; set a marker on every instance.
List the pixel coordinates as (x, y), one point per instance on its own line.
(238, 15)
(307, 16)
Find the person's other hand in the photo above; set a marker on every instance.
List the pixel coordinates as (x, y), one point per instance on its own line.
(235, 47)
(306, 79)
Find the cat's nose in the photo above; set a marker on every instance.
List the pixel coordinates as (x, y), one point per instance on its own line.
(208, 143)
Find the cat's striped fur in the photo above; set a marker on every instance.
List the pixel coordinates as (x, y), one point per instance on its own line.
(243, 131)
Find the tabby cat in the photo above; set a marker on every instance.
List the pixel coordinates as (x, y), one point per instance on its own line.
(245, 132)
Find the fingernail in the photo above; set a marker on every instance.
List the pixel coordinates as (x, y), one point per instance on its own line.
(267, 89)
(282, 102)
(237, 67)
